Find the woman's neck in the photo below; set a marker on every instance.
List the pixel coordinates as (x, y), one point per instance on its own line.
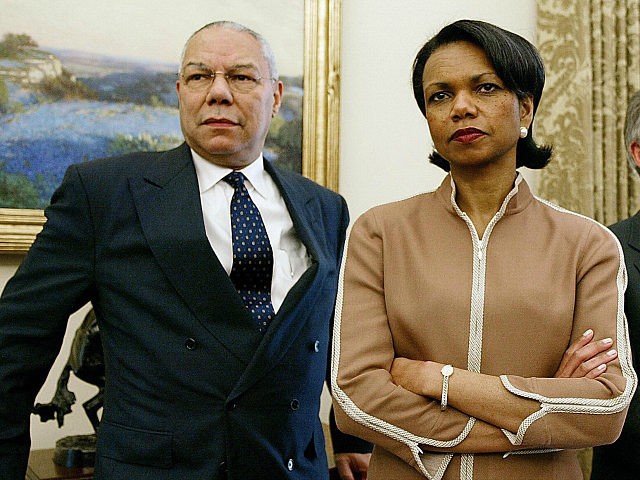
(481, 196)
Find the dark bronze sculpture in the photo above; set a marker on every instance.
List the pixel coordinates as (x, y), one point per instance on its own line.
(86, 362)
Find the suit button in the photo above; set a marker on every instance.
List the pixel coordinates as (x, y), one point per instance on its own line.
(190, 344)
(232, 406)
(316, 346)
(295, 404)
(290, 464)
(223, 467)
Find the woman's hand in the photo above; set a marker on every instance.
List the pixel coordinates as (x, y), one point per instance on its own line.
(586, 358)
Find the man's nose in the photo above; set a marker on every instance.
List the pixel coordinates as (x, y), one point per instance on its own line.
(219, 91)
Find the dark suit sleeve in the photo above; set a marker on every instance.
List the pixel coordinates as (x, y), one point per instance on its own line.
(51, 283)
(620, 459)
(342, 442)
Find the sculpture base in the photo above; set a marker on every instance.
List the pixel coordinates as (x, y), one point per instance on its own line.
(75, 451)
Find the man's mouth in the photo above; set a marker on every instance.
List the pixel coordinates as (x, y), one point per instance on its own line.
(219, 122)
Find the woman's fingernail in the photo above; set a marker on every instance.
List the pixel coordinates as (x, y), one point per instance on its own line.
(587, 333)
(611, 353)
(601, 367)
(607, 341)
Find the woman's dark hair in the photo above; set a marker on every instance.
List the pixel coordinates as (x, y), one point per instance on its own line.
(516, 62)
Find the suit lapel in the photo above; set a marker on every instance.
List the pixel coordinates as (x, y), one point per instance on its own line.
(168, 204)
(304, 210)
(302, 205)
(634, 239)
(170, 212)
(297, 307)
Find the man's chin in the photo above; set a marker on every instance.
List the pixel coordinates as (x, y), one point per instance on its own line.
(228, 158)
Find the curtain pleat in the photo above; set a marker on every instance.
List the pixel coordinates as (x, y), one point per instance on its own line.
(591, 51)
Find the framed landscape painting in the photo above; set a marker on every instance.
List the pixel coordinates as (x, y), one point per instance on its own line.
(85, 79)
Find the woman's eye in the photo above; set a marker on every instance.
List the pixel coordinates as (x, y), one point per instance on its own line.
(488, 87)
(438, 96)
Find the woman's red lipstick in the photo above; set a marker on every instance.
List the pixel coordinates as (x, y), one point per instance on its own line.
(466, 135)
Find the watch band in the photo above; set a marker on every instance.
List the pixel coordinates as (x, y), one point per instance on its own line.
(446, 372)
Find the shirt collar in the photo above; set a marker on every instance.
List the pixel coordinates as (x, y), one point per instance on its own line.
(209, 174)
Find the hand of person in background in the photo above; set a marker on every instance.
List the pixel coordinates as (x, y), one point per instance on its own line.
(352, 466)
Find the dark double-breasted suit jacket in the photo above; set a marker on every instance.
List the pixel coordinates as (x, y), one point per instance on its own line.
(193, 390)
(621, 460)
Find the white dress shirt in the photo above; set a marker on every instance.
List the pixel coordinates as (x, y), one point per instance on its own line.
(290, 258)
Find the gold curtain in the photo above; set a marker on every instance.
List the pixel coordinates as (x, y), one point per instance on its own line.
(591, 51)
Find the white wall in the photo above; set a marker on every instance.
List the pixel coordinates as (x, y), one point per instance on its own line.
(384, 140)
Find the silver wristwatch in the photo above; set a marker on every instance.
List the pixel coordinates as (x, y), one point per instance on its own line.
(446, 372)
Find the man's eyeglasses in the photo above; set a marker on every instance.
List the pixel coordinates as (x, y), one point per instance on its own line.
(200, 80)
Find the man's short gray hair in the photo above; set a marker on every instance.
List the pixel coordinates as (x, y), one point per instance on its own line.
(632, 127)
(267, 51)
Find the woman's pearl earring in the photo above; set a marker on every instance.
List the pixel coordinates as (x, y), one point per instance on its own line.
(523, 132)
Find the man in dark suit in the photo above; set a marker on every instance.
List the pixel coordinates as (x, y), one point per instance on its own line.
(207, 375)
(620, 460)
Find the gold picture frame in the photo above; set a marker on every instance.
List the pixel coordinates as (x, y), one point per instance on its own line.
(321, 114)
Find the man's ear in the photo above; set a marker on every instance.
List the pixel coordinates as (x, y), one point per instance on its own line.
(277, 97)
(634, 150)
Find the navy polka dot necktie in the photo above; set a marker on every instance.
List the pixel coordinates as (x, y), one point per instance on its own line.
(252, 255)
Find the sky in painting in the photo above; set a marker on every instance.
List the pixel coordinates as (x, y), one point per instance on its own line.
(153, 29)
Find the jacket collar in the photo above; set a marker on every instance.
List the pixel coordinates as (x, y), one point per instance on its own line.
(516, 200)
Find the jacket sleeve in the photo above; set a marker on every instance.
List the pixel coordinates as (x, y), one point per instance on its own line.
(367, 403)
(50, 284)
(579, 412)
(343, 442)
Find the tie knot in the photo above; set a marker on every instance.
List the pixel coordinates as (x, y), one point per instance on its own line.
(235, 179)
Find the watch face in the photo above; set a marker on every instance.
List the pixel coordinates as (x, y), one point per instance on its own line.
(447, 370)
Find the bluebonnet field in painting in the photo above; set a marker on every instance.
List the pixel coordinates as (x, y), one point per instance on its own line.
(64, 107)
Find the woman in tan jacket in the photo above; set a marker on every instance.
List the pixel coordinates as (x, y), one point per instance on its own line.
(456, 307)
